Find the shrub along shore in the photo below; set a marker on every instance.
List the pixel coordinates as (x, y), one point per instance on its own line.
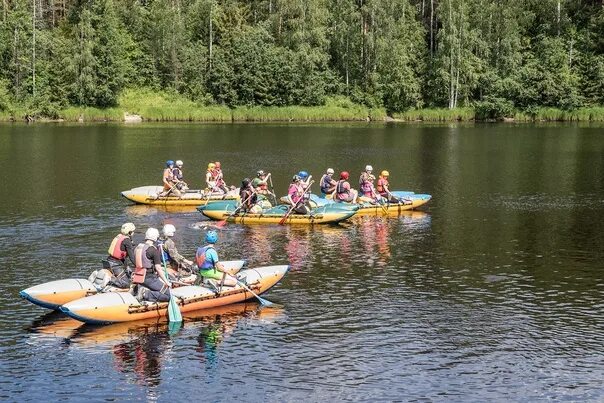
(153, 106)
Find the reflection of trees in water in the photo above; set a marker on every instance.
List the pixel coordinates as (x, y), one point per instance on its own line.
(142, 356)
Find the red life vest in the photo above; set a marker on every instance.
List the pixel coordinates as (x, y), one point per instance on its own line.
(115, 249)
(380, 185)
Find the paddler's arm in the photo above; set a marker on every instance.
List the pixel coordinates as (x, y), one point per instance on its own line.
(129, 250)
(173, 252)
(156, 259)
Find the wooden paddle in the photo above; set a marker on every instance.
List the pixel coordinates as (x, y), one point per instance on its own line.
(174, 314)
(222, 223)
(296, 205)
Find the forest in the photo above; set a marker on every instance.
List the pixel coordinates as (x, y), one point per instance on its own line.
(497, 57)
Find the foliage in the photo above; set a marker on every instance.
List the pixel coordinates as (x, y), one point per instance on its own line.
(499, 58)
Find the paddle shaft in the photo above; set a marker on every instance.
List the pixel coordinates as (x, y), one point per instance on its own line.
(296, 204)
(223, 222)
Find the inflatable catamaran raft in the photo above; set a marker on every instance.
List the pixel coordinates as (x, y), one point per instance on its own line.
(191, 198)
(124, 307)
(53, 294)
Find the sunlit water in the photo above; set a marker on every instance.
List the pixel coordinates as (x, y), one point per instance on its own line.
(494, 291)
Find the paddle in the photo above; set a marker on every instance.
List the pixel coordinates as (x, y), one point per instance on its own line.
(379, 200)
(260, 299)
(222, 223)
(173, 309)
(270, 179)
(296, 204)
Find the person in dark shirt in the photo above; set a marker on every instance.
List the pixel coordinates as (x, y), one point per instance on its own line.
(149, 269)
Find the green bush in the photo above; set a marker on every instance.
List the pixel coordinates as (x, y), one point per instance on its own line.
(493, 108)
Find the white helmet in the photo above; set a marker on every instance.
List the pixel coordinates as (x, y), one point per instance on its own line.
(152, 234)
(368, 168)
(128, 228)
(179, 163)
(329, 171)
(169, 230)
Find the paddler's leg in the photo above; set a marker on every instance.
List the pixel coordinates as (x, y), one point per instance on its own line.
(157, 290)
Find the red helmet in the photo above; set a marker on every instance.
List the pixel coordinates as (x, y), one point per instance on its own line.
(217, 163)
(344, 175)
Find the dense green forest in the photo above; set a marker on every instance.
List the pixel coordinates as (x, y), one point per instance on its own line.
(495, 56)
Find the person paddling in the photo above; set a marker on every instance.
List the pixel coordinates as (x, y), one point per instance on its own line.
(248, 197)
(366, 179)
(295, 195)
(179, 177)
(149, 274)
(260, 183)
(170, 253)
(209, 265)
(121, 257)
(304, 179)
(168, 181)
(327, 183)
(343, 192)
(220, 183)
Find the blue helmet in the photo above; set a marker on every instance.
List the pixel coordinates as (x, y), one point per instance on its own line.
(169, 162)
(303, 174)
(212, 237)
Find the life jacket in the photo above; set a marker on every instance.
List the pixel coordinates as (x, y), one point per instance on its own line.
(380, 185)
(177, 173)
(219, 177)
(142, 263)
(296, 195)
(115, 249)
(365, 183)
(200, 258)
(168, 175)
(165, 256)
(325, 184)
(340, 189)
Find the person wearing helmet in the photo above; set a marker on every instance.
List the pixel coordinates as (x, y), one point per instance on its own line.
(208, 263)
(343, 192)
(178, 176)
(296, 196)
(249, 197)
(152, 283)
(327, 183)
(169, 181)
(366, 183)
(220, 183)
(260, 183)
(169, 251)
(304, 179)
(121, 257)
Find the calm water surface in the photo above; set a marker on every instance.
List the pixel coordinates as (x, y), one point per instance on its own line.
(495, 291)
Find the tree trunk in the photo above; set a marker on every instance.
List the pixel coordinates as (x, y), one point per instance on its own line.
(33, 49)
(431, 27)
(211, 39)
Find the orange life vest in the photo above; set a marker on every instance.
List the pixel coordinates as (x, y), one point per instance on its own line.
(115, 249)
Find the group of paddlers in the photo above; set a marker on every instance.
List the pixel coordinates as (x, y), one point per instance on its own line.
(154, 266)
(175, 185)
(253, 193)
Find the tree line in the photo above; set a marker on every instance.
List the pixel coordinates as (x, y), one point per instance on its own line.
(495, 55)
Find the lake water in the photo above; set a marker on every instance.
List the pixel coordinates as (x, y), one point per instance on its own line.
(493, 291)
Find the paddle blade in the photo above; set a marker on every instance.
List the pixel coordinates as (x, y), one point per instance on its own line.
(174, 314)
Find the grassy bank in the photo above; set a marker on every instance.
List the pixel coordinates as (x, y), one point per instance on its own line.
(543, 114)
(157, 106)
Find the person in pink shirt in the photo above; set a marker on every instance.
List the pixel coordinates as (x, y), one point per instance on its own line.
(295, 196)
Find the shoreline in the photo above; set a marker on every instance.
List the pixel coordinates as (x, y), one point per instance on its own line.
(142, 105)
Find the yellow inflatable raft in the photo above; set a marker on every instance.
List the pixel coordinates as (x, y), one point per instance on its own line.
(192, 198)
